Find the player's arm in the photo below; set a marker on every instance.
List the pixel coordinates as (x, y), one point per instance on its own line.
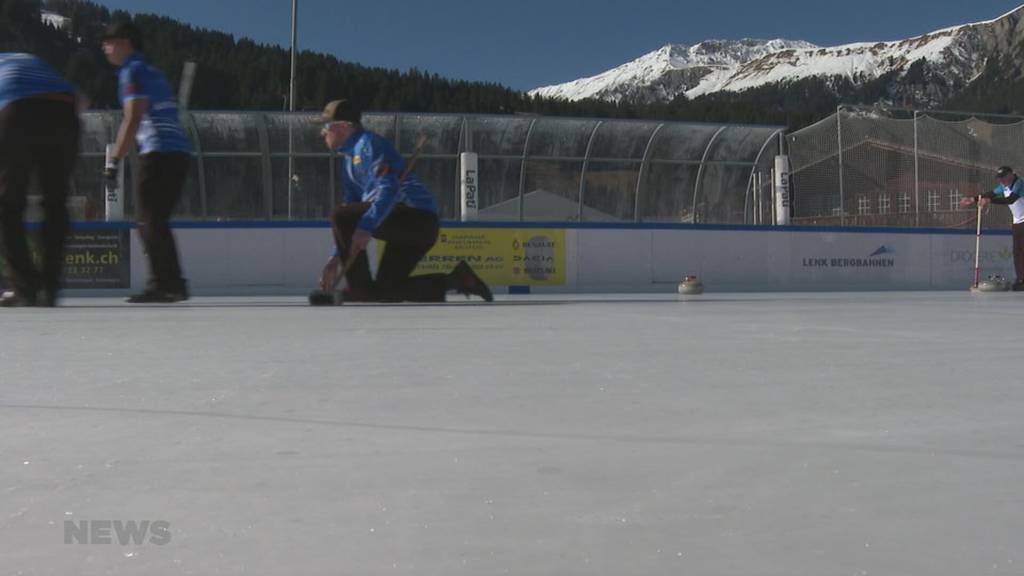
(135, 103)
(384, 186)
(985, 198)
(134, 111)
(350, 193)
(381, 187)
(329, 273)
(1002, 195)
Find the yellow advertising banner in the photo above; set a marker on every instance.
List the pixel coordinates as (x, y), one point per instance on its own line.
(501, 256)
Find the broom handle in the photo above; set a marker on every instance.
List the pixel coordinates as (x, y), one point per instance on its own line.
(977, 249)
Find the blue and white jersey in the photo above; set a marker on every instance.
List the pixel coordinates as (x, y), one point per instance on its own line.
(160, 130)
(371, 167)
(1015, 189)
(24, 75)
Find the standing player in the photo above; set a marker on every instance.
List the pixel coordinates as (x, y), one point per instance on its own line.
(1010, 192)
(39, 130)
(383, 201)
(151, 116)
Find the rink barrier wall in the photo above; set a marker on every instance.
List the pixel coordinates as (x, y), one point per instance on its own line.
(285, 258)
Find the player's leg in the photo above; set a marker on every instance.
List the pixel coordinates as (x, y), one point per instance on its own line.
(17, 141)
(54, 174)
(410, 234)
(161, 184)
(464, 280)
(1018, 256)
(176, 172)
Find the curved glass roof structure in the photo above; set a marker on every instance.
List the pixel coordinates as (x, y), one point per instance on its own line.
(531, 168)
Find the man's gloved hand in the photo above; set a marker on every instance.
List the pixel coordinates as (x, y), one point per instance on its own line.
(110, 173)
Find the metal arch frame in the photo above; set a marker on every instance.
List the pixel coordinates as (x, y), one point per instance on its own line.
(586, 164)
(464, 137)
(753, 168)
(644, 163)
(190, 120)
(269, 157)
(698, 183)
(522, 168)
(398, 132)
(268, 175)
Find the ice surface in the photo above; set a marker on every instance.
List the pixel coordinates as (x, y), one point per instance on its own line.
(731, 434)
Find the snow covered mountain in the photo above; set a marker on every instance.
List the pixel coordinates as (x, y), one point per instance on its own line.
(671, 70)
(934, 67)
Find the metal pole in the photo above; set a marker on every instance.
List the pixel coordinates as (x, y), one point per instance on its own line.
(780, 133)
(189, 119)
(760, 198)
(291, 106)
(758, 191)
(291, 90)
(465, 145)
(977, 249)
(747, 199)
(917, 177)
(839, 136)
(753, 199)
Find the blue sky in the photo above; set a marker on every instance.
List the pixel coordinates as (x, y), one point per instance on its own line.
(530, 43)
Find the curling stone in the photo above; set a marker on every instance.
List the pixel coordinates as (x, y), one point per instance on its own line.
(691, 286)
(994, 283)
(325, 298)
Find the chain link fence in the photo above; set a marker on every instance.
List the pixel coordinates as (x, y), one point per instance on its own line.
(882, 167)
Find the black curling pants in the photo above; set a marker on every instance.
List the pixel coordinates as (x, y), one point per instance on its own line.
(1018, 251)
(410, 233)
(38, 137)
(161, 184)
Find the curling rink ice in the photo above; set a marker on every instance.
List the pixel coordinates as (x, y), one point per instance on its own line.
(729, 434)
